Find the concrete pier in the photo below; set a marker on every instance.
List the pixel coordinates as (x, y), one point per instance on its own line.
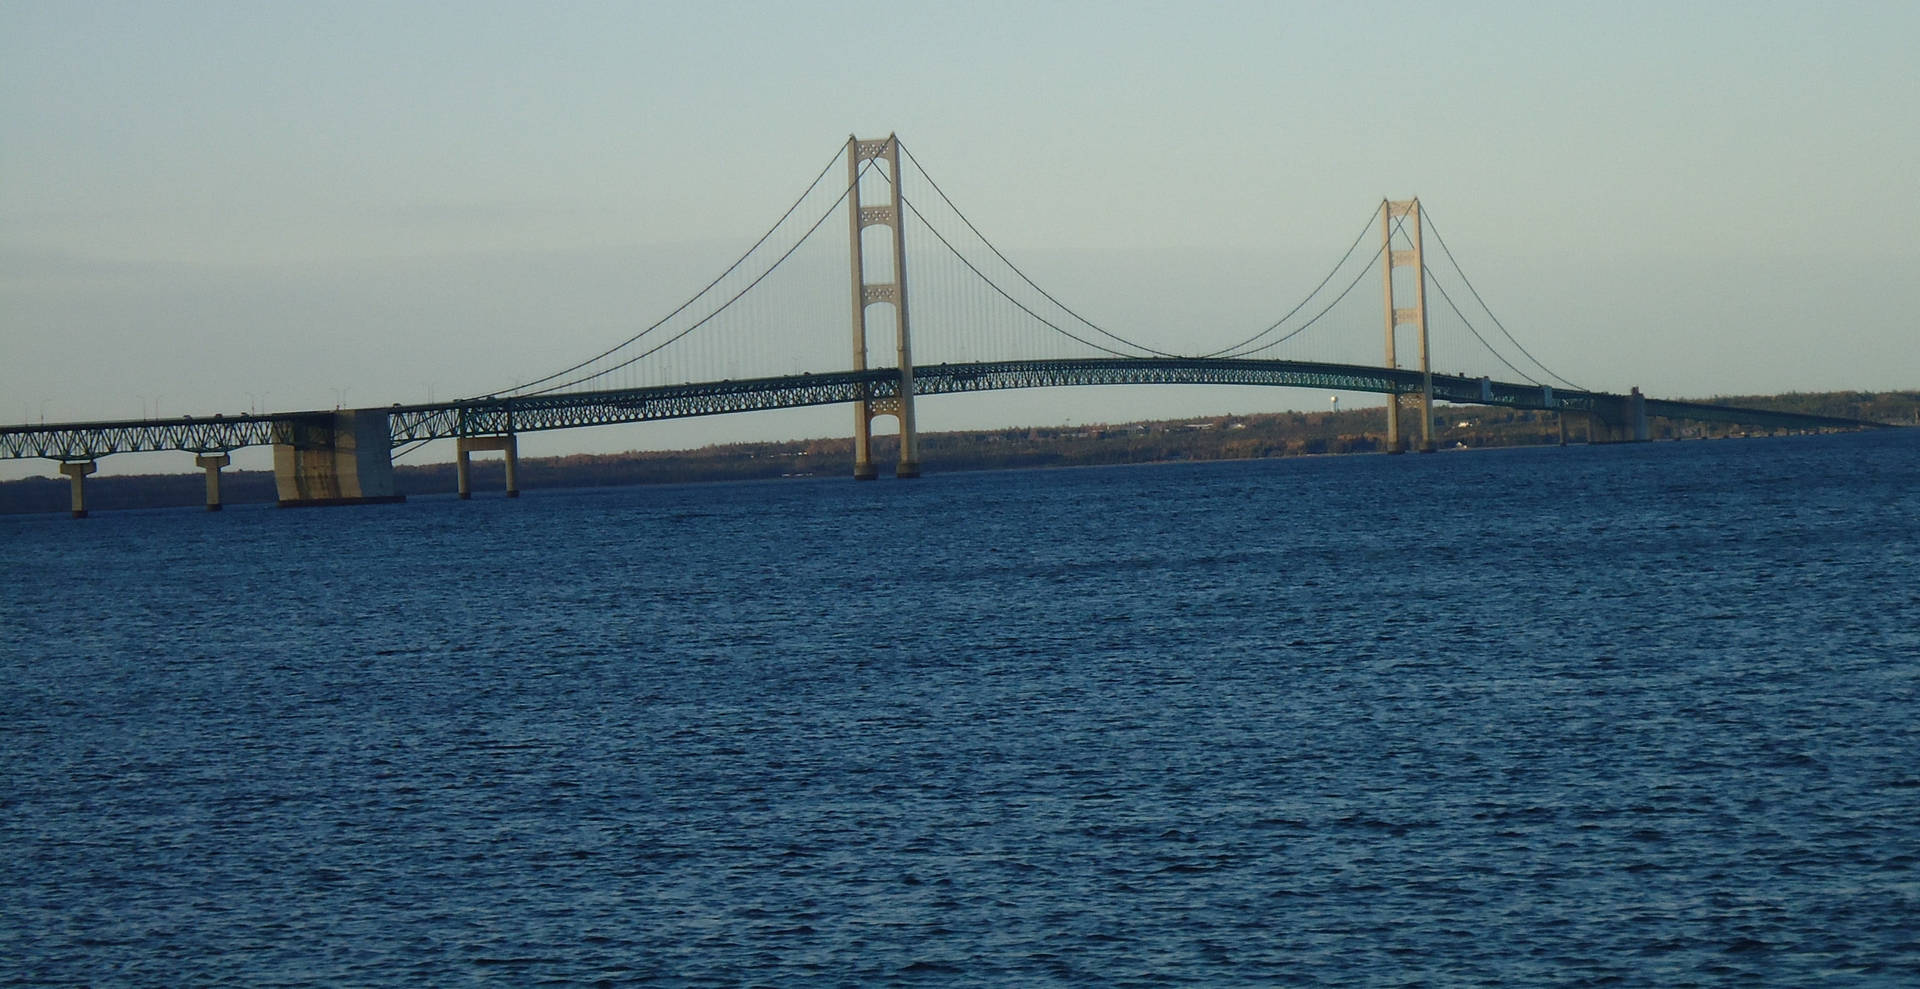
(77, 471)
(334, 458)
(463, 469)
(212, 464)
(1621, 421)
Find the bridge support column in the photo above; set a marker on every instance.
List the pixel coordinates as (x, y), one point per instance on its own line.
(1621, 420)
(1414, 315)
(334, 458)
(212, 464)
(77, 471)
(866, 293)
(466, 445)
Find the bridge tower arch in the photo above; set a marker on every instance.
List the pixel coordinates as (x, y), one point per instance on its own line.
(1414, 315)
(859, 216)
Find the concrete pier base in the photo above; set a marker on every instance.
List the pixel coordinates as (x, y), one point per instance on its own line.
(77, 471)
(463, 469)
(1622, 421)
(334, 458)
(212, 464)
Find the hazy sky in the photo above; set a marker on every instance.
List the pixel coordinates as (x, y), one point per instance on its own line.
(211, 206)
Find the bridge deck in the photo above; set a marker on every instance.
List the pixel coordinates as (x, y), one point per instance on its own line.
(499, 415)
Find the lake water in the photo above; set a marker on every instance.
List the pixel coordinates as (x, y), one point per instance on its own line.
(1638, 715)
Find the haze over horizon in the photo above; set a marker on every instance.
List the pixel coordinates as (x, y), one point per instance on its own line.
(212, 207)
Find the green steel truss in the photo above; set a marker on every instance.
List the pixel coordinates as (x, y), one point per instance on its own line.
(88, 440)
(493, 416)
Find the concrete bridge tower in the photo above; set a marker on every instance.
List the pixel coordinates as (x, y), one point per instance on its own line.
(1415, 315)
(865, 293)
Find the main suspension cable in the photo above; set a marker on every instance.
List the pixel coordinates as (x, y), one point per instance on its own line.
(1023, 307)
(1228, 351)
(1483, 340)
(1302, 328)
(1428, 219)
(1016, 270)
(691, 300)
(702, 321)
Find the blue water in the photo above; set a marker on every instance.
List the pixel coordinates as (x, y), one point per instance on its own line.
(1639, 715)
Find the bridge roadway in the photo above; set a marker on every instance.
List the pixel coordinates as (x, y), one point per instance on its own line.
(496, 416)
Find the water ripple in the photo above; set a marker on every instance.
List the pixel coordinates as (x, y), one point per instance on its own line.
(1640, 715)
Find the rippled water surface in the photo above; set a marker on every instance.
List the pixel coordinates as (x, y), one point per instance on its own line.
(1638, 715)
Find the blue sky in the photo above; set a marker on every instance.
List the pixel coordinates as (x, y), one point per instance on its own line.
(207, 206)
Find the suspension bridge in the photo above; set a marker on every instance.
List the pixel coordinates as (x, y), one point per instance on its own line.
(772, 332)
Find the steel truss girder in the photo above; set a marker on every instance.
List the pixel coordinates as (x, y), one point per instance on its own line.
(994, 375)
(500, 416)
(944, 378)
(88, 440)
(1702, 411)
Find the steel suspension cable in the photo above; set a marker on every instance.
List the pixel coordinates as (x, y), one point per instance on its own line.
(1222, 352)
(1016, 269)
(1483, 340)
(1428, 219)
(702, 321)
(697, 295)
(1302, 328)
(1044, 321)
(1228, 351)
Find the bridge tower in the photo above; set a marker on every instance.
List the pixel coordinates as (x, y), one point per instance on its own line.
(891, 214)
(1414, 315)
